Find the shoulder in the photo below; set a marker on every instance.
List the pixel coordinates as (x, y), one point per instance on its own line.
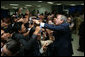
(65, 24)
(18, 36)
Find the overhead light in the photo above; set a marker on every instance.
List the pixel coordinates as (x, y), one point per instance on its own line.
(28, 5)
(72, 4)
(59, 4)
(39, 1)
(14, 7)
(50, 2)
(82, 4)
(14, 4)
(39, 6)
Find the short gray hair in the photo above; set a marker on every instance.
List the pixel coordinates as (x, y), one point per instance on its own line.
(64, 18)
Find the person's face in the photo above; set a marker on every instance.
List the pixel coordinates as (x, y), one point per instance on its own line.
(6, 20)
(23, 28)
(52, 15)
(48, 17)
(4, 35)
(69, 19)
(2, 32)
(58, 21)
(49, 22)
(15, 19)
(5, 51)
(20, 10)
(26, 16)
(41, 17)
(54, 20)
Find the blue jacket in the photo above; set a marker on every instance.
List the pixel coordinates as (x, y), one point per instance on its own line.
(62, 36)
(61, 31)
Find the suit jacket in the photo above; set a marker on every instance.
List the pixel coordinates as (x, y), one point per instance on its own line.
(81, 29)
(28, 46)
(62, 36)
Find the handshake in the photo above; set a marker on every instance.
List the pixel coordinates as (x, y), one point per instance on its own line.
(38, 23)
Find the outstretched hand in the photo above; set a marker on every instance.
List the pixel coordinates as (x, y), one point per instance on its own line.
(36, 22)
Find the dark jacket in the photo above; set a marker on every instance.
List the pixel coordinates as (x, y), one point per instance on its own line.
(27, 46)
(62, 44)
(81, 29)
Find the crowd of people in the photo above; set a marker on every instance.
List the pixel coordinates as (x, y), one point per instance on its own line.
(37, 35)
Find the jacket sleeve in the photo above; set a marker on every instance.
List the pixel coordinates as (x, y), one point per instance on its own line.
(54, 27)
(29, 44)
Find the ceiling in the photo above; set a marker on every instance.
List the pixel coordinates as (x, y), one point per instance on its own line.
(6, 4)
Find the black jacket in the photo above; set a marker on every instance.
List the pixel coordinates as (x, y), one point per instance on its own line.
(62, 44)
(28, 46)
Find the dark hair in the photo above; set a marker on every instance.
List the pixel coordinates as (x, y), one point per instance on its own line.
(17, 26)
(31, 31)
(13, 46)
(17, 9)
(3, 41)
(9, 29)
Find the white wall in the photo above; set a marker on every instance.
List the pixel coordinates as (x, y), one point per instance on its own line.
(44, 8)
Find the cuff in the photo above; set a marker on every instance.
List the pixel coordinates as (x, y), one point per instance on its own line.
(41, 50)
(42, 25)
(29, 29)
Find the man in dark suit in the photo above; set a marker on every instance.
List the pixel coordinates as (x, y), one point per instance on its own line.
(29, 43)
(81, 37)
(62, 45)
(18, 45)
